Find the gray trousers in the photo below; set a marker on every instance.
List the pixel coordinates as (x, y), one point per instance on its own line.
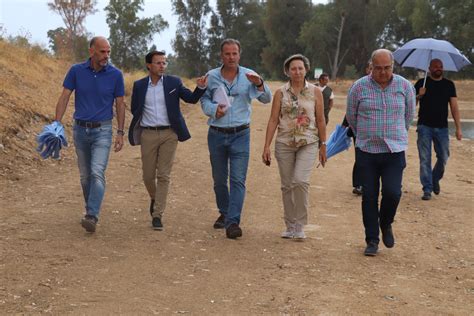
(295, 165)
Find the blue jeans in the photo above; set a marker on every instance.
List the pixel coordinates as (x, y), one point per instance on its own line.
(388, 168)
(440, 139)
(229, 154)
(92, 149)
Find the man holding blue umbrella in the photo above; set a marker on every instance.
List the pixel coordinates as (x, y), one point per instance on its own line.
(380, 108)
(432, 128)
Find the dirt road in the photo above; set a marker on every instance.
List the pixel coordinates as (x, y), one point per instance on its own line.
(49, 264)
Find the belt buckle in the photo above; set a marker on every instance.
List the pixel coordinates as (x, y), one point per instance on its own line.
(89, 124)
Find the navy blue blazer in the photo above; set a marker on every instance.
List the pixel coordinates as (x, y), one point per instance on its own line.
(174, 90)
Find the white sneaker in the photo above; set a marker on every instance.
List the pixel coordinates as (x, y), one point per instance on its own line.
(299, 232)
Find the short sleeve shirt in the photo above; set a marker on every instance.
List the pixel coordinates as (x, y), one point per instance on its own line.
(433, 110)
(94, 92)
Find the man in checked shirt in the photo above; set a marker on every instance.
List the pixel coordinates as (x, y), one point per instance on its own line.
(380, 108)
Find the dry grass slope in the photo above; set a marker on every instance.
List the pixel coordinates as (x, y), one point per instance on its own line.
(29, 91)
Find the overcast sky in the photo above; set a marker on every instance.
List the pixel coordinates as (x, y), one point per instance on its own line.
(33, 18)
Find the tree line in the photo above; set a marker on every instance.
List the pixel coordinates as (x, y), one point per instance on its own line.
(337, 37)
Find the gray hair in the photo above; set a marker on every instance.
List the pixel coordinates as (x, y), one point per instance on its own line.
(381, 51)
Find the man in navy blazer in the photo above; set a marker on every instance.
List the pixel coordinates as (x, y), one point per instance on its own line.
(158, 125)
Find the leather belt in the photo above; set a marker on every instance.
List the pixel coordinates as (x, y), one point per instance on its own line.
(156, 128)
(88, 124)
(230, 130)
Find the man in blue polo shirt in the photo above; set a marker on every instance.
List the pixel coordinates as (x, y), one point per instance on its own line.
(97, 84)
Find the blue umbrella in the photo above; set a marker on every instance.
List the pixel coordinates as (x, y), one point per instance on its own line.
(51, 140)
(338, 141)
(419, 52)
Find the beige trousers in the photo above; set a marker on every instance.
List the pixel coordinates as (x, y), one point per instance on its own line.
(295, 165)
(158, 150)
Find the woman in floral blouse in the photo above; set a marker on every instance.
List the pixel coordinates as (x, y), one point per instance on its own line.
(298, 112)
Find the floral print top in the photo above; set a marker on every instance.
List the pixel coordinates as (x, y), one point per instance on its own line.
(297, 126)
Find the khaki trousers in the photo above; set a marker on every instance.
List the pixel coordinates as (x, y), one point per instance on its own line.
(158, 150)
(295, 165)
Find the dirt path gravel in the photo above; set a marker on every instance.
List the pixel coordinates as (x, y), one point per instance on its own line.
(48, 263)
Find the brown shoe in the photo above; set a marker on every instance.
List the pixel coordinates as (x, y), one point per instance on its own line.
(233, 231)
(219, 224)
(89, 223)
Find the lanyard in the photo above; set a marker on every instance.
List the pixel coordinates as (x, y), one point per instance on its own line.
(229, 88)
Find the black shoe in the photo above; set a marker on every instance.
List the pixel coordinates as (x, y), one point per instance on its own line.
(152, 205)
(156, 223)
(89, 223)
(436, 188)
(233, 231)
(426, 196)
(371, 249)
(219, 224)
(358, 190)
(387, 237)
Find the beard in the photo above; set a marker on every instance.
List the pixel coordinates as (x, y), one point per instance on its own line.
(437, 74)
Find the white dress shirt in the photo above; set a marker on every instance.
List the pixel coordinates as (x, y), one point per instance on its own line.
(154, 111)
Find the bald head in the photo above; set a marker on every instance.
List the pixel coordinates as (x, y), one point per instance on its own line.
(99, 52)
(382, 66)
(98, 40)
(381, 53)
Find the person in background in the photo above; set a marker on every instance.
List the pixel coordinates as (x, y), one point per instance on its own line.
(328, 95)
(432, 127)
(380, 108)
(97, 85)
(158, 125)
(298, 113)
(229, 132)
(356, 184)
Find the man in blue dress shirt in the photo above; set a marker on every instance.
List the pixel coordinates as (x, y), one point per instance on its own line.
(97, 85)
(229, 132)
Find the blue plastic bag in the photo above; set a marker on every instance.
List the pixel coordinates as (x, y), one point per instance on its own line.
(51, 140)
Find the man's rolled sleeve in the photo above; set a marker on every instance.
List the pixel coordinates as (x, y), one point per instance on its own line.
(208, 106)
(264, 96)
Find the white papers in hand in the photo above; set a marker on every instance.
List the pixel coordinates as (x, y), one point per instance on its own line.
(220, 97)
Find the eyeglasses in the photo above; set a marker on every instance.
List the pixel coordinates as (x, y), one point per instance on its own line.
(384, 68)
(164, 63)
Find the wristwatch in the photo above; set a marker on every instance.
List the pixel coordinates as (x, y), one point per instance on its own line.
(120, 132)
(323, 143)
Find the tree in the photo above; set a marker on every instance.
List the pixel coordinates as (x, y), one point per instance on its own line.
(282, 22)
(317, 35)
(337, 61)
(73, 14)
(60, 44)
(351, 42)
(457, 19)
(129, 34)
(191, 36)
(241, 20)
